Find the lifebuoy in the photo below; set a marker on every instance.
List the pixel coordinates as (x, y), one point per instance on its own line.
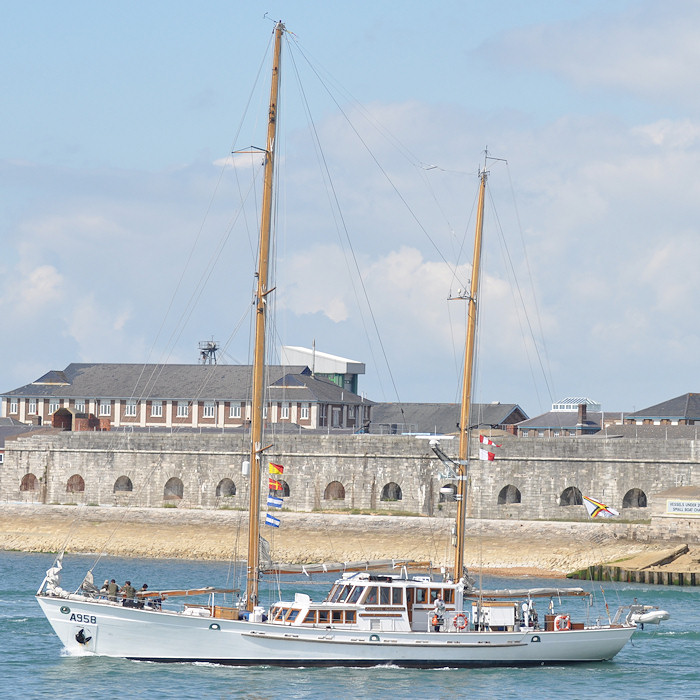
(460, 621)
(562, 623)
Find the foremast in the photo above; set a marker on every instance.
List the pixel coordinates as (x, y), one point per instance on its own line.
(465, 414)
(262, 290)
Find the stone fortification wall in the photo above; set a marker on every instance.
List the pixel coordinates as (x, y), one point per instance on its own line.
(363, 472)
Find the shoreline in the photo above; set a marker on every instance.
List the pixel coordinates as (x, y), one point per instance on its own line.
(498, 547)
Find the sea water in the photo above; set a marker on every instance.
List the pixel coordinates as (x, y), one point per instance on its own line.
(661, 661)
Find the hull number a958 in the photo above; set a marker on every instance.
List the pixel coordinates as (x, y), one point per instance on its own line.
(85, 619)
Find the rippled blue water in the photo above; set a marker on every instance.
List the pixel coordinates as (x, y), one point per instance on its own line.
(660, 662)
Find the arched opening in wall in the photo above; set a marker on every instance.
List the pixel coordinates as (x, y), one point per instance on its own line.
(447, 493)
(123, 484)
(174, 489)
(76, 484)
(29, 483)
(571, 496)
(391, 492)
(508, 494)
(226, 488)
(335, 491)
(635, 498)
(284, 491)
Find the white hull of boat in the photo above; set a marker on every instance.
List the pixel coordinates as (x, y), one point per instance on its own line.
(116, 631)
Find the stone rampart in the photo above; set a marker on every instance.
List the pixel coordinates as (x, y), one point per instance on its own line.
(528, 479)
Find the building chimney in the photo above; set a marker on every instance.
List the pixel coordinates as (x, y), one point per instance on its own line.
(581, 414)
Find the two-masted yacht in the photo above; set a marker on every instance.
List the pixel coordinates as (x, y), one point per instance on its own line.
(393, 615)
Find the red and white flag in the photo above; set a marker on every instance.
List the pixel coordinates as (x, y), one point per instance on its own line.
(486, 455)
(485, 441)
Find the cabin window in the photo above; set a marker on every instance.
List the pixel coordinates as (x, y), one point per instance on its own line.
(448, 595)
(278, 614)
(371, 597)
(293, 614)
(384, 595)
(337, 617)
(350, 616)
(323, 617)
(329, 597)
(397, 596)
(310, 616)
(355, 595)
(421, 596)
(340, 591)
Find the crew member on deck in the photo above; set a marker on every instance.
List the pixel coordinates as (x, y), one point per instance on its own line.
(438, 613)
(128, 591)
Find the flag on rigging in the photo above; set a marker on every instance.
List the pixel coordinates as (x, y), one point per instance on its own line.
(272, 521)
(275, 485)
(486, 455)
(596, 509)
(275, 502)
(486, 441)
(276, 468)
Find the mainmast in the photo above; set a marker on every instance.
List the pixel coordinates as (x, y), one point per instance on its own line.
(465, 415)
(256, 428)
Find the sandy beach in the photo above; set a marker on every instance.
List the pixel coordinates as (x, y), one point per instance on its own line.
(515, 547)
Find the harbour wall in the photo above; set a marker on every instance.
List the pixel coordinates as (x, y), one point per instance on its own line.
(528, 480)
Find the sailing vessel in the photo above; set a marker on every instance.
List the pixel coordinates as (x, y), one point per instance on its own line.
(367, 618)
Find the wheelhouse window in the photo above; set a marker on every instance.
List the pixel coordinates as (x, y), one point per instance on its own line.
(310, 617)
(293, 614)
(397, 596)
(421, 596)
(372, 596)
(355, 595)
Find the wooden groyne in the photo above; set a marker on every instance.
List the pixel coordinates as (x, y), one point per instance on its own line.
(677, 566)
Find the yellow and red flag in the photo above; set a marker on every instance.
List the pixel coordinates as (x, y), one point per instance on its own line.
(275, 485)
(276, 468)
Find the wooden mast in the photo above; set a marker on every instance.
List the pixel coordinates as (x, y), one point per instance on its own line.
(256, 428)
(465, 415)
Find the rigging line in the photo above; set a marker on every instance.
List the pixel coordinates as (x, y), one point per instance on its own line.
(529, 272)
(414, 216)
(511, 268)
(338, 217)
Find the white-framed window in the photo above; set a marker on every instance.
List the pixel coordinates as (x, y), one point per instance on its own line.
(183, 409)
(234, 410)
(209, 409)
(80, 406)
(265, 411)
(54, 405)
(130, 408)
(304, 411)
(525, 433)
(14, 406)
(284, 411)
(32, 407)
(156, 409)
(105, 408)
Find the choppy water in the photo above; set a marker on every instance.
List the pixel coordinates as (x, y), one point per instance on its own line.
(660, 662)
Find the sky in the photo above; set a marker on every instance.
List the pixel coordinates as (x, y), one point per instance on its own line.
(127, 228)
